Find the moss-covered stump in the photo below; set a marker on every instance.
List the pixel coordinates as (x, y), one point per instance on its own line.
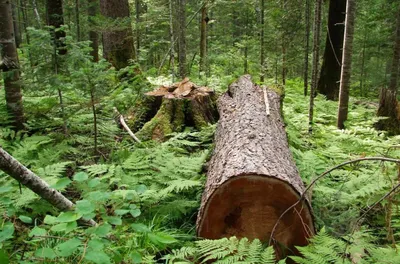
(184, 104)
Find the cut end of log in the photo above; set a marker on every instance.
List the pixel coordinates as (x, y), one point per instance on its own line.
(250, 206)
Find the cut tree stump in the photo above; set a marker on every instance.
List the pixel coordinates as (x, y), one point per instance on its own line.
(184, 104)
(252, 178)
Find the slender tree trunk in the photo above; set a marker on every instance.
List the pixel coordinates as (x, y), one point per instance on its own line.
(172, 41)
(118, 46)
(307, 46)
(328, 84)
(10, 66)
(93, 35)
(17, 34)
(55, 18)
(362, 70)
(93, 103)
(37, 16)
(315, 64)
(388, 105)
(203, 37)
(182, 38)
(346, 63)
(284, 45)
(262, 55)
(138, 10)
(78, 26)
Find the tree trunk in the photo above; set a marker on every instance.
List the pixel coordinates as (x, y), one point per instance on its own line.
(37, 16)
(307, 46)
(346, 63)
(78, 26)
(284, 43)
(137, 7)
(55, 18)
(10, 66)
(17, 34)
(203, 37)
(30, 180)
(252, 178)
(262, 55)
(93, 36)
(314, 77)
(172, 41)
(182, 38)
(388, 104)
(118, 46)
(328, 84)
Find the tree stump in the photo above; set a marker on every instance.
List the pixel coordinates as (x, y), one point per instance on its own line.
(184, 104)
(252, 178)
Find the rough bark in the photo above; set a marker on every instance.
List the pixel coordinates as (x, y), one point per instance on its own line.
(17, 33)
(307, 44)
(346, 64)
(388, 104)
(182, 38)
(93, 35)
(55, 18)
(203, 37)
(315, 63)
(10, 66)
(12, 167)
(328, 84)
(252, 178)
(118, 46)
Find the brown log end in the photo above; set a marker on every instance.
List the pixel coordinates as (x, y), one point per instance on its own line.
(250, 205)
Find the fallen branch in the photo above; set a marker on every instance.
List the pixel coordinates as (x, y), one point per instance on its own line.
(326, 173)
(121, 121)
(15, 169)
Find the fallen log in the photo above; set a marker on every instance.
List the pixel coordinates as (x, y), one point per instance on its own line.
(252, 178)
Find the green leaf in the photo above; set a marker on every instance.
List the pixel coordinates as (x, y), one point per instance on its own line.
(136, 257)
(45, 253)
(59, 227)
(121, 212)
(66, 217)
(114, 220)
(81, 176)
(135, 212)
(25, 219)
(50, 220)
(37, 231)
(140, 228)
(61, 184)
(68, 247)
(161, 238)
(5, 189)
(4, 257)
(98, 257)
(6, 232)
(141, 188)
(93, 182)
(95, 244)
(103, 230)
(84, 207)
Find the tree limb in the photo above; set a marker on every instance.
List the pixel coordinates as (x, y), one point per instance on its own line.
(120, 119)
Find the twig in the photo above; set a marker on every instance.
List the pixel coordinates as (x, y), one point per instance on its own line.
(56, 237)
(266, 101)
(84, 252)
(326, 173)
(125, 126)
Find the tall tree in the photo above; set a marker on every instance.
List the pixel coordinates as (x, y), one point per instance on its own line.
(93, 36)
(182, 38)
(118, 46)
(307, 44)
(172, 41)
(77, 21)
(138, 10)
(10, 66)
(55, 18)
(316, 43)
(388, 105)
(262, 48)
(346, 63)
(330, 71)
(203, 37)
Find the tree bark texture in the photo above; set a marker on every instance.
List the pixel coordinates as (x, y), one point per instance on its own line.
(55, 18)
(118, 46)
(203, 37)
(328, 84)
(252, 178)
(93, 35)
(388, 104)
(10, 66)
(346, 63)
(182, 38)
(17, 33)
(315, 63)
